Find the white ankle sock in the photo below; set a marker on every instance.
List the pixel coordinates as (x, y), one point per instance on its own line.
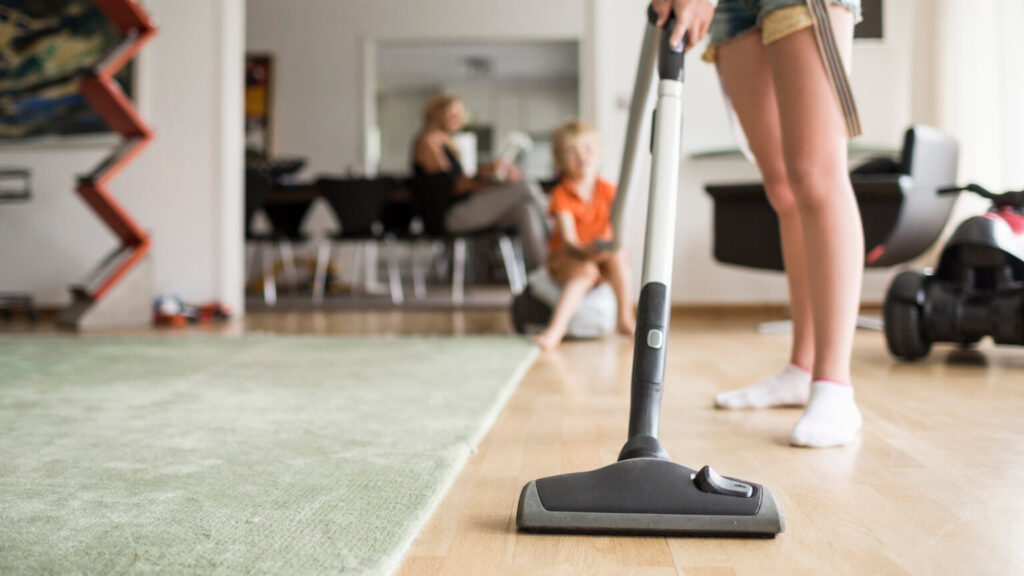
(791, 387)
(831, 417)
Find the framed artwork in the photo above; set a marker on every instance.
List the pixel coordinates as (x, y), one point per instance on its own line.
(45, 48)
(870, 28)
(259, 106)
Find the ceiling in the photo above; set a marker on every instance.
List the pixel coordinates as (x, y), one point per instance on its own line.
(407, 65)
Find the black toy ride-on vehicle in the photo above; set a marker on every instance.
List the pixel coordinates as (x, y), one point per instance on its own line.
(976, 291)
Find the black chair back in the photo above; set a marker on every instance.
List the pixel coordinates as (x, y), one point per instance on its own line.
(258, 185)
(431, 196)
(399, 214)
(358, 203)
(286, 209)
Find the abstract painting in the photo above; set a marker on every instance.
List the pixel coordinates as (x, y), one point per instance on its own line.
(45, 48)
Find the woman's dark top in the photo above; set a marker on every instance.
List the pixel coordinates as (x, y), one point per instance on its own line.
(455, 171)
(454, 166)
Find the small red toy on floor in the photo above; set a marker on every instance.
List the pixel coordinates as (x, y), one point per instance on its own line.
(171, 311)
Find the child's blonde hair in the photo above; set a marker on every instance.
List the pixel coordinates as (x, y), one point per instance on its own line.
(565, 135)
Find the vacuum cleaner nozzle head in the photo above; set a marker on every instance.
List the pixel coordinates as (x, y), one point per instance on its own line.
(649, 496)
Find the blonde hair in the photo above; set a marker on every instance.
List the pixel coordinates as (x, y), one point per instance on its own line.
(437, 106)
(567, 134)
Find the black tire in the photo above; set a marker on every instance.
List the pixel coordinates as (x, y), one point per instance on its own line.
(527, 310)
(904, 329)
(519, 313)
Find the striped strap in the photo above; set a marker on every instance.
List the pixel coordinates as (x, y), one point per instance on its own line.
(834, 65)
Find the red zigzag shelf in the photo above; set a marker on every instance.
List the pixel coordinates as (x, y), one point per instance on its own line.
(108, 100)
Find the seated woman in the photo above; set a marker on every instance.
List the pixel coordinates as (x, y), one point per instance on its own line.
(483, 201)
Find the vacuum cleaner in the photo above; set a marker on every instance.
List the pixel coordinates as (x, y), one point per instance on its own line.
(976, 291)
(645, 493)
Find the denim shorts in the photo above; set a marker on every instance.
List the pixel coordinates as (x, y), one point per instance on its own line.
(775, 18)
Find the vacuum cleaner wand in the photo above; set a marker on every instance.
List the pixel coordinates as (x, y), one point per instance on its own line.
(643, 93)
(645, 492)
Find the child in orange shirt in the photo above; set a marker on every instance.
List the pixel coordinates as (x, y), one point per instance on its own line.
(581, 205)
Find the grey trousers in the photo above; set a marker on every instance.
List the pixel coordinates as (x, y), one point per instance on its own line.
(518, 206)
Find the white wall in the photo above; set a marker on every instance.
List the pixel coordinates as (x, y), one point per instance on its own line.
(399, 115)
(185, 188)
(49, 243)
(980, 86)
(229, 193)
(533, 106)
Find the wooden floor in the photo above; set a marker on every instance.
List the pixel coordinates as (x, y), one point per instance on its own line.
(935, 484)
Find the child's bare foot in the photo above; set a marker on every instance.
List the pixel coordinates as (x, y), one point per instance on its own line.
(627, 326)
(547, 340)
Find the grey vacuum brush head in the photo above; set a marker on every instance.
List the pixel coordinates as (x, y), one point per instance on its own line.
(649, 496)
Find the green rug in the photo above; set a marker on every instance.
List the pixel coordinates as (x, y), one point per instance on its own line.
(253, 455)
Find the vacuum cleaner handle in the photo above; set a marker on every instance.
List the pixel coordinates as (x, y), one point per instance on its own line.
(656, 57)
(652, 322)
(671, 59)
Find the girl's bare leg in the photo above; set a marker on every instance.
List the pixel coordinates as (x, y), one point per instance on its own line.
(615, 270)
(814, 147)
(746, 74)
(581, 279)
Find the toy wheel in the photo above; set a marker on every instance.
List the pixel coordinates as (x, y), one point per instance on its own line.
(904, 330)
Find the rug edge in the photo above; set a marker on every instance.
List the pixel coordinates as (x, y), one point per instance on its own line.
(390, 565)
